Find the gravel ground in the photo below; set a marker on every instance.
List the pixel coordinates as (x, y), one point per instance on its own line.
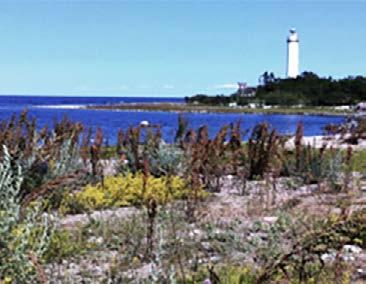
(230, 204)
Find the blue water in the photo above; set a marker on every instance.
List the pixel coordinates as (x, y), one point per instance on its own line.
(47, 109)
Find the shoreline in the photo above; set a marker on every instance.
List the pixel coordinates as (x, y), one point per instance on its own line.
(330, 141)
(181, 107)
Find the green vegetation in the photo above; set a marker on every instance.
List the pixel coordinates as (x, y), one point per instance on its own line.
(65, 244)
(270, 213)
(24, 235)
(307, 90)
(359, 161)
(311, 90)
(125, 190)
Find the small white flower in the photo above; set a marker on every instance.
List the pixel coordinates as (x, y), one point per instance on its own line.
(196, 232)
(99, 240)
(95, 240)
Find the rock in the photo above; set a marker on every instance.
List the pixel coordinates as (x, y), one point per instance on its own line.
(361, 273)
(363, 185)
(97, 271)
(270, 219)
(328, 257)
(95, 240)
(348, 254)
(207, 246)
(352, 249)
(195, 233)
(215, 259)
(362, 144)
(348, 258)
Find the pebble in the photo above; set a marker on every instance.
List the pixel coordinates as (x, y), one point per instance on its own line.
(352, 249)
(328, 257)
(270, 219)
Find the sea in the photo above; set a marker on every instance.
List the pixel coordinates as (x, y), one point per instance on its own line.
(47, 109)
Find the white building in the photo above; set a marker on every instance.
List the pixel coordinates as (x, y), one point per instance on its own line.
(293, 54)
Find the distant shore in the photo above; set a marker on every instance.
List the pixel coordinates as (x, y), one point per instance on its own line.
(182, 107)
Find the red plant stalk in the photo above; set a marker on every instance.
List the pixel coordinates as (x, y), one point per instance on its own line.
(298, 144)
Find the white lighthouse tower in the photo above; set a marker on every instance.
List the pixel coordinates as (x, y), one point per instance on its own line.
(293, 54)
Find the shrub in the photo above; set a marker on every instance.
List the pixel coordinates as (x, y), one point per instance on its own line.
(166, 159)
(140, 144)
(301, 258)
(315, 165)
(24, 234)
(226, 274)
(43, 155)
(265, 151)
(356, 133)
(125, 190)
(65, 243)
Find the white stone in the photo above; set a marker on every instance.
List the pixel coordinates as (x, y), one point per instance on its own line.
(328, 256)
(348, 258)
(352, 249)
(270, 219)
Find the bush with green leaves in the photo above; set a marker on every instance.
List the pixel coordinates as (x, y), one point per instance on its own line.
(314, 165)
(166, 159)
(162, 158)
(295, 248)
(24, 232)
(42, 154)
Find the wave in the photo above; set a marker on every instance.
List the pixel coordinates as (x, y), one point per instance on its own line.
(60, 106)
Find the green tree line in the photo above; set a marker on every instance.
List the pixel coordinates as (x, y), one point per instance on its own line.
(308, 89)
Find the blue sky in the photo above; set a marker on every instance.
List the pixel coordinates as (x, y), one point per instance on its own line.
(170, 48)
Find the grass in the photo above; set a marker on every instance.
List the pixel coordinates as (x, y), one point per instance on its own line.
(359, 161)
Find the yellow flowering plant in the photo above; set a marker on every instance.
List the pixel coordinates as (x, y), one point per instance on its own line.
(126, 190)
